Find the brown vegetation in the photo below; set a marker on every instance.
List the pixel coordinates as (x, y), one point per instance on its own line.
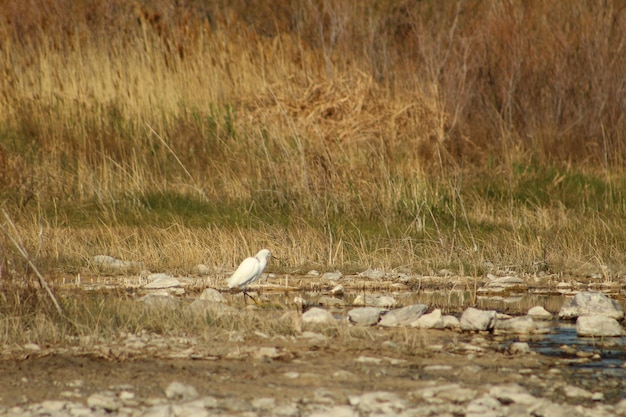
(428, 134)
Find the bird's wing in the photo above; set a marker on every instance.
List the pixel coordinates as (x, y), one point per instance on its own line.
(246, 272)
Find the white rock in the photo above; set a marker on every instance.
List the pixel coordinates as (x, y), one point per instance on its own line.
(202, 306)
(337, 290)
(572, 391)
(484, 406)
(335, 411)
(433, 320)
(330, 301)
(598, 326)
(474, 319)
(313, 273)
(365, 316)
(549, 409)
(53, 406)
(286, 410)
(519, 348)
(190, 410)
(451, 322)
(105, 400)
(32, 346)
(333, 276)
(111, 262)
(201, 269)
(159, 300)
(213, 295)
(179, 391)
(383, 301)
(539, 313)
(512, 393)
(590, 303)
(160, 281)
(317, 315)
(519, 325)
(403, 316)
(164, 410)
(377, 403)
(372, 274)
(264, 403)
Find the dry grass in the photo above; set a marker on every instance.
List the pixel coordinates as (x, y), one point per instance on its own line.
(340, 135)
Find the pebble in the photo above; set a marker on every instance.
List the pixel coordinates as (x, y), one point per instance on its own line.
(179, 391)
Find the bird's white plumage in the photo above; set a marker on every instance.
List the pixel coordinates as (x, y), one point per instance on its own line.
(249, 270)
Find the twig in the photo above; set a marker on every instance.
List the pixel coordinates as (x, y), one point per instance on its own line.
(22, 251)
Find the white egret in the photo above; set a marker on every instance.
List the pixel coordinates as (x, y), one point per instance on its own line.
(249, 271)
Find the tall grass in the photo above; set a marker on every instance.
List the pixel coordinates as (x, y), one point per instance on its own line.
(340, 134)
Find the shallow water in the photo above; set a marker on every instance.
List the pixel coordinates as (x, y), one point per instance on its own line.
(563, 342)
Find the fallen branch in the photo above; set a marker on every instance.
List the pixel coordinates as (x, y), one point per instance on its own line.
(22, 251)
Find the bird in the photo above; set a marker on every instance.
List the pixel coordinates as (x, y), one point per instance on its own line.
(249, 271)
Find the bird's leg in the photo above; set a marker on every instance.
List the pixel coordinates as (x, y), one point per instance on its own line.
(245, 294)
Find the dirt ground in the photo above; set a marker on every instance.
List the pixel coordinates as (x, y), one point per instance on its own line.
(292, 371)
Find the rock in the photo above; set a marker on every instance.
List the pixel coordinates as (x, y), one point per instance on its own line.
(53, 406)
(403, 316)
(365, 316)
(519, 348)
(508, 283)
(286, 410)
(190, 410)
(105, 400)
(263, 403)
(572, 391)
(590, 303)
(163, 410)
(539, 313)
(179, 391)
(519, 325)
(474, 319)
(201, 269)
(267, 353)
(337, 290)
(331, 301)
(598, 326)
(377, 403)
(202, 306)
(333, 276)
(372, 274)
(484, 406)
(313, 273)
(159, 300)
(161, 281)
(431, 320)
(512, 393)
(32, 346)
(111, 262)
(451, 322)
(213, 295)
(335, 411)
(317, 315)
(383, 301)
